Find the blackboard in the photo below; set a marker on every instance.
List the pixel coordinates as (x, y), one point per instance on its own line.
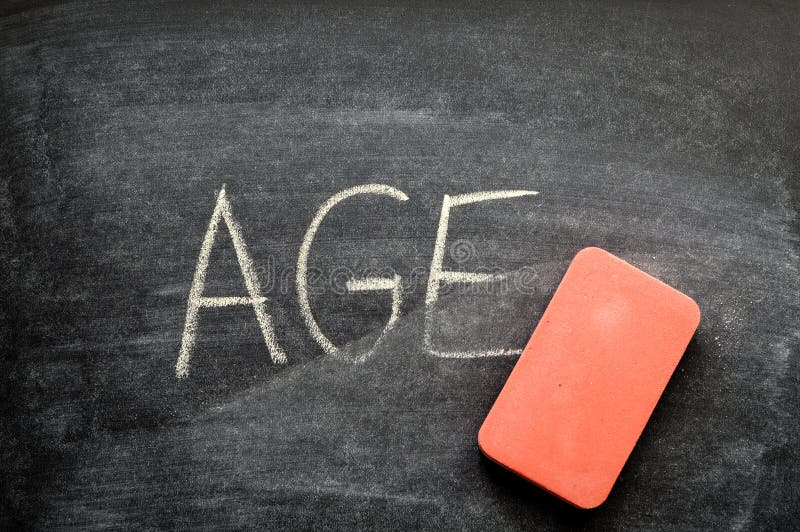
(665, 133)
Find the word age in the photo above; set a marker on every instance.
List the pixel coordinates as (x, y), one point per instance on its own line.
(223, 212)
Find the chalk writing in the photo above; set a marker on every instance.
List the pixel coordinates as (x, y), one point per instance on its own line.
(437, 275)
(197, 301)
(392, 284)
(305, 248)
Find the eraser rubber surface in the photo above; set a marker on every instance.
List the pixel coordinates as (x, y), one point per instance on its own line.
(584, 387)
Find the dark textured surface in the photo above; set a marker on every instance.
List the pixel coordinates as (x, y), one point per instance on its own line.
(666, 133)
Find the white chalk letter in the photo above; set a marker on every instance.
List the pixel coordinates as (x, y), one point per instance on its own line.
(438, 276)
(222, 210)
(368, 284)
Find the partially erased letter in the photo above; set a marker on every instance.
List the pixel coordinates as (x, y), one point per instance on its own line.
(438, 276)
(355, 285)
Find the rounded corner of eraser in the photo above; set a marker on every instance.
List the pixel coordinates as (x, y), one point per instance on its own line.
(584, 387)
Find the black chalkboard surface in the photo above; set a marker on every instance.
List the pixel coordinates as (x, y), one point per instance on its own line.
(665, 133)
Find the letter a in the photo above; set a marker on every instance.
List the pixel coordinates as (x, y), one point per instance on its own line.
(222, 210)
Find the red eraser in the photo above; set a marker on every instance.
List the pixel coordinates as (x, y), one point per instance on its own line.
(585, 385)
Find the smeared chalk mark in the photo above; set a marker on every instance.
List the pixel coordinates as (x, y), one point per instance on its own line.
(222, 210)
(438, 276)
(362, 284)
(371, 284)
